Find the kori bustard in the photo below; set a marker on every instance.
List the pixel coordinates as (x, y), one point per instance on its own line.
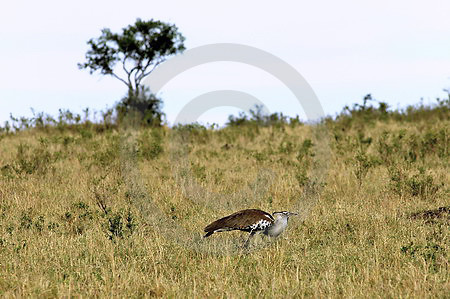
(252, 221)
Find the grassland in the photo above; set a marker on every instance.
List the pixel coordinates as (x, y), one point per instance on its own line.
(90, 210)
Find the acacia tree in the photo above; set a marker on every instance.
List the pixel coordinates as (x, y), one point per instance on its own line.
(139, 49)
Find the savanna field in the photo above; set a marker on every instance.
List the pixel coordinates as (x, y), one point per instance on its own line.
(106, 210)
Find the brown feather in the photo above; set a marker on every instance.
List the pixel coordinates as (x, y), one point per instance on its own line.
(239, 220)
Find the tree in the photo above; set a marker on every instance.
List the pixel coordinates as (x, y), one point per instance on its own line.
(140, 48)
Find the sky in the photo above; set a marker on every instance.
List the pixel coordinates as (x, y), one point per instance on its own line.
(399, 51)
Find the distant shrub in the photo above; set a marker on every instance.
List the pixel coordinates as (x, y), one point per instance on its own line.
(433, 254)
(256, 117)
(119, 224)
(30, 160)
(106, 157)
(304, 152)
(150, 144)
(419, 184)
(362, 164)
(141, 108)
(394, 146)
(78, 218)
(194, 132)
(286, 147)
(366, 114)
(422, 185)
(301, 175)
(26, 221)
(199, 171)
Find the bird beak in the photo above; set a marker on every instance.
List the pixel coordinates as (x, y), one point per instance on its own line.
(293, 214)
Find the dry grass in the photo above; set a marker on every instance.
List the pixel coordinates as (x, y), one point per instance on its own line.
(121, 214)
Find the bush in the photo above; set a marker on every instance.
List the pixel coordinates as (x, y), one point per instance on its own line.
(150, 144)
(419, 184)
(141, 108)
(30, 160)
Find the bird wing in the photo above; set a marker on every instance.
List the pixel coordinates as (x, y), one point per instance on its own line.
(239, 220)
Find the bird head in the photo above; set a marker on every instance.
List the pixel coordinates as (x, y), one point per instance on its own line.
(283, 214)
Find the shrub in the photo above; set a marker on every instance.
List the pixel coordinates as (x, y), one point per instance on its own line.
(150, 144)
(419, 184)
(31, 160)
(432, 253)
(363, 163)
(140, 108)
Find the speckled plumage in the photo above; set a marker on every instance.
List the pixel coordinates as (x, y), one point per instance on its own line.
(252, 221)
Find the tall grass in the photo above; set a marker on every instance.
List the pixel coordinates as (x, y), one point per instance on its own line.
(93, 209)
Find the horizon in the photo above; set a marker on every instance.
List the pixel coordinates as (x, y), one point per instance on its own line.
(96, 117)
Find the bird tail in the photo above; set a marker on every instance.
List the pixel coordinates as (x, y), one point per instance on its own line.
(208, 234)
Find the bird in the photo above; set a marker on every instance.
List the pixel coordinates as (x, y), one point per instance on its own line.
(252, 221)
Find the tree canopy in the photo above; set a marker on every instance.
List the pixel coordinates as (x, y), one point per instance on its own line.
(140, 48)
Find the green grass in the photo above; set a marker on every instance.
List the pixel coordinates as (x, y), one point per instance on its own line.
(120, 213)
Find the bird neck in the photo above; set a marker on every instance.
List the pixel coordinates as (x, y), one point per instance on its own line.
(278, 226)
(283, 221)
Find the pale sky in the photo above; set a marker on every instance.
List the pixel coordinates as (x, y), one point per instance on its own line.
(397, 50)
